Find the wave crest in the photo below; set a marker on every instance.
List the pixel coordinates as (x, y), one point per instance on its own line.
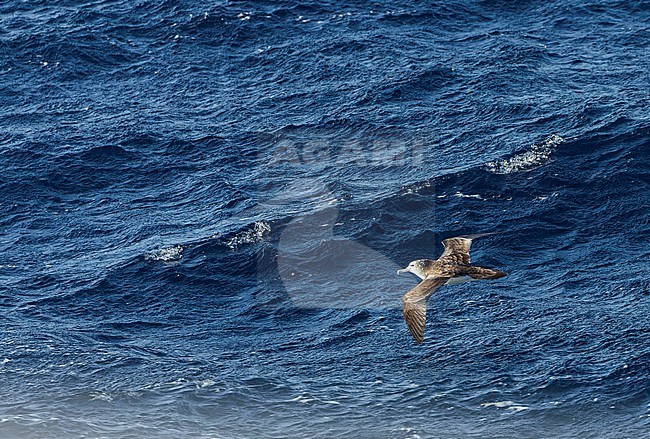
(259, 230)
(169, 254)
(538, 155)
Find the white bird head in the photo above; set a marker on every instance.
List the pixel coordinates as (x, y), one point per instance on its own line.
(416, 267)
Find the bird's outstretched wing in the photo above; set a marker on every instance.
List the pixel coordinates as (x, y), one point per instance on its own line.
(457, 248)
(414, 305)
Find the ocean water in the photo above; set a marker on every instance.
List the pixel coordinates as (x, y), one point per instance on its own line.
(203, 205)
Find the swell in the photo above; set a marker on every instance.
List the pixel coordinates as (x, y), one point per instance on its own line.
(535, 185)
(539, 179)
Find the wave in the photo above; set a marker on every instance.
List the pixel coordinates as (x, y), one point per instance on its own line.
(259, 230)
(538, 155)
(169, 254)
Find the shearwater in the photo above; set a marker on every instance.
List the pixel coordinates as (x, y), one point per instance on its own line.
(452, 267)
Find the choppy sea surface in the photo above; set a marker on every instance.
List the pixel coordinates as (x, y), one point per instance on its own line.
(203, 205)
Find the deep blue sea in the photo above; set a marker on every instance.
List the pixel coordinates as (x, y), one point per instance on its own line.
(203, 205)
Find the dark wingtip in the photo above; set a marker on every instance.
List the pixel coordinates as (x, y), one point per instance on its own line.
(416, 337)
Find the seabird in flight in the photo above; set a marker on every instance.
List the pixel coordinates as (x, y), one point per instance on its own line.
(453, 267)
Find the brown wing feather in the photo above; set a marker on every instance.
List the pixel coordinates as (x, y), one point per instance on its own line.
(414, 305)
(457, 248)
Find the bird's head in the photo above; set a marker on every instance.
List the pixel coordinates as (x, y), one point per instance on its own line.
(417, 267)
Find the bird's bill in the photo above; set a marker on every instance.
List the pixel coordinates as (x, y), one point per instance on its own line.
(402, 270)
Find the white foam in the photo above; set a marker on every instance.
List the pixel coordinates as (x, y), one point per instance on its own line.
(411, 433)
(416, 188)
(205, 383)
(537, 155)
(100, 396)
(461, 195)
(257, 233)
(169, 254)
(508, 405)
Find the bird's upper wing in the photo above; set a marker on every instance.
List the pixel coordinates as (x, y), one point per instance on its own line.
(414, 305)
(457, 249)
